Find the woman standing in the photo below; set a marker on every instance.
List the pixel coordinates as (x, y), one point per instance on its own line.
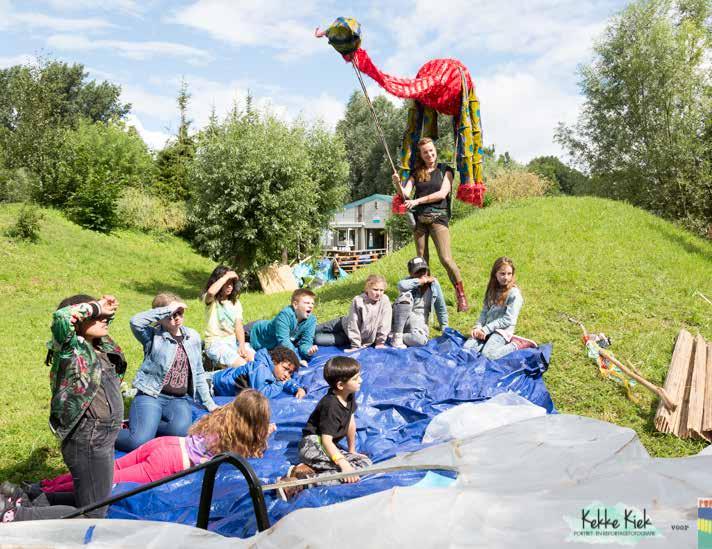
(432, 183)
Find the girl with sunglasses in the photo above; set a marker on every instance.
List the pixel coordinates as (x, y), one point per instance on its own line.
(169, 378)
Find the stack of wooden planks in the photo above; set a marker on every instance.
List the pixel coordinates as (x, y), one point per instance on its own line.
(688, 383)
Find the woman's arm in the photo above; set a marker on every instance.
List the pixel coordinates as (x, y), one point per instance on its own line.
(216, 286)
(406, 189)
(142, 323)
(201, 385)
(436, 196)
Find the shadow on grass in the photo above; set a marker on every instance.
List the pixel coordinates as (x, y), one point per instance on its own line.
(681, 241)
(34, 468)
(188, 284)
(344, 291)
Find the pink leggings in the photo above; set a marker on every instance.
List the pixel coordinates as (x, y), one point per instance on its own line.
(154, 460)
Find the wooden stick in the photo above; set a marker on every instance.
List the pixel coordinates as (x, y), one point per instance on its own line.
(707, 417)
(664, 397)
(374, 469)
(707, 299)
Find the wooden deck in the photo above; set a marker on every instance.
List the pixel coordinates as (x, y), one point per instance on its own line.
(354, 259)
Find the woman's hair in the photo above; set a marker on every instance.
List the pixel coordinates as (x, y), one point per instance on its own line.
(241, 427)
(496, 294)
(372, 280)
(420, 173)
(217, 273)
(340, 368)
(163, 299)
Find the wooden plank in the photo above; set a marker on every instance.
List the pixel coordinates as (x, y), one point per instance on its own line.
(668, 421)
(276, 278)
(707, 418)
(693, 426)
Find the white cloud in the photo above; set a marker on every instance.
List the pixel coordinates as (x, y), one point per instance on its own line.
(130, 7)
(520, 112)
(132, 50)
(154, 139)
(22, 59)
(276, 24)
(59, 24)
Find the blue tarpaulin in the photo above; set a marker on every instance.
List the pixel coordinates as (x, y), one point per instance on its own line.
(402, 391)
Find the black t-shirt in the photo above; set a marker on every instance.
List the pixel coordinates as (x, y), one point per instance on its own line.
(431, 186)
(330, 417)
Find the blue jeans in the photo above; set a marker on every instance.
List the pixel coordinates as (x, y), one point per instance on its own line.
(494, 347)
(150, 417)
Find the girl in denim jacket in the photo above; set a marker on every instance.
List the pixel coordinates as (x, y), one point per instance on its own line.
(170, 377)
(493, 335)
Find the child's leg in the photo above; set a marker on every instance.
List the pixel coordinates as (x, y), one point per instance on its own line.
(496, 347)
(358, 461)
(225, 353)
(473, 343)
(177, 416)
(331, 333)
(144, 417)
(402, 307)
(415, 331)
(312, 454)
(154, 460)
(61, 483)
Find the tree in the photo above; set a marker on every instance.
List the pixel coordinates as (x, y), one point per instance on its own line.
(39, 102)
(96, 162)
(262, 188)
(174, 160)
(641, 133)
(567, 180)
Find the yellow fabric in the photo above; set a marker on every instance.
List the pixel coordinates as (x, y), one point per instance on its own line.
(220, 319)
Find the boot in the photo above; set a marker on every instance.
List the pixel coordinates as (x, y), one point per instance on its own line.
(462, 306)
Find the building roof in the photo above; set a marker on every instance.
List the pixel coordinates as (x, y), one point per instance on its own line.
(384, 197)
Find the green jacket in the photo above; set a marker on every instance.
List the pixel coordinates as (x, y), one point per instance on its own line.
(75, 373)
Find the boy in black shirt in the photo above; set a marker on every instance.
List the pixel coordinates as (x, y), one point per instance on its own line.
(332, 420)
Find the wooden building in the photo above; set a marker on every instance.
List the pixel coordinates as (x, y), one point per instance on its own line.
(360, 226)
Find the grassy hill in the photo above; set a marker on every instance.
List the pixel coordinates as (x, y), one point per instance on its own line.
(620, 270)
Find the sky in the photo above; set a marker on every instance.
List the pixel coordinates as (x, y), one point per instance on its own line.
(523, 55)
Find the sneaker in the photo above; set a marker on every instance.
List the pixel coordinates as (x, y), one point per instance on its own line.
(523, 343)
(300, 471)
(397, 342)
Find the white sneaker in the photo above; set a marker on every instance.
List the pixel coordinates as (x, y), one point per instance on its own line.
(397, 342)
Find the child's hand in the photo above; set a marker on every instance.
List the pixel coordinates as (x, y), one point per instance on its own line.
(313, 349)
(246, 352)
(271, 429)
(478, 333)
(230, 275)
(300, 394)
(177, 305)
(346, 467)
(303, 363)
(108, 304)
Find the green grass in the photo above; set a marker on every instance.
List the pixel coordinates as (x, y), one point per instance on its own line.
(620, 270)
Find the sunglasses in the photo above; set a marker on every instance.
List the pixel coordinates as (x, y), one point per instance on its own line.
(105, 318)
(177, 314)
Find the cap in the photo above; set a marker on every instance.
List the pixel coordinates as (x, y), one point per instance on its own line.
(416, 264)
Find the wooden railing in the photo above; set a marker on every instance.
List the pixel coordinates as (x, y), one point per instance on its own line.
(351, 260)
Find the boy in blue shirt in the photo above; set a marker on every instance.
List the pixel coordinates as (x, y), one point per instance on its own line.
(270, 373)
(293, 327)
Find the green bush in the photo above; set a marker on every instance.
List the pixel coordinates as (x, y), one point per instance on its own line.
(137, 209)
(98, 161)
(27, 225)
(514, 182)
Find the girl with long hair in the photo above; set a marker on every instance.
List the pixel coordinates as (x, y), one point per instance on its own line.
(493, 335)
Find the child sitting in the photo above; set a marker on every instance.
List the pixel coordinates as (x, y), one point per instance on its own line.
(171, 375)
(293, 327)
(242, 427)
(225, 341)
(269, 373)
(493, 335)
(411, 311)
(332, 420)
(368, 321)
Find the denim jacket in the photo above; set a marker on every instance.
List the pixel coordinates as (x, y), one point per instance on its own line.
(159, 352)
(75, 373)
(438, 302)
(502, 318)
